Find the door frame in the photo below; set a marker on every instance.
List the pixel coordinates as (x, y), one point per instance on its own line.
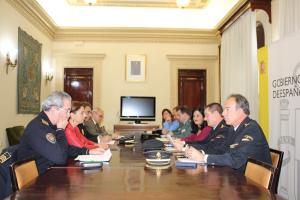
(186, 72)
(72, 60)
(208, 63)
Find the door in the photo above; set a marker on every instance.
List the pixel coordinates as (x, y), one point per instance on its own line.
(192, 88)
(78, 82)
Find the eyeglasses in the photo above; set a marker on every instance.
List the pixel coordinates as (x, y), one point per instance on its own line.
(67, 111)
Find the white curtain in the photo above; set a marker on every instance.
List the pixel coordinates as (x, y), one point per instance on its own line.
(239, 73)
(289, 16)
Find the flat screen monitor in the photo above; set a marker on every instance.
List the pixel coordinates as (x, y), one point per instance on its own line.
(137, 109)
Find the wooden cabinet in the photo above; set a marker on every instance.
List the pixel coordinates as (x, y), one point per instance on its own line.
(125, 128)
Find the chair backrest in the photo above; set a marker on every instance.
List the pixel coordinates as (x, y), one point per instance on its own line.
(14, 134)
(277, 157)
(260, 173)
(23, 172)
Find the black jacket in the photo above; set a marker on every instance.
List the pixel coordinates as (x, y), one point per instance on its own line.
(247, 141)
(46, 143)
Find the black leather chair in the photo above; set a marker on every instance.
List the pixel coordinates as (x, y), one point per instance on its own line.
(14, 134)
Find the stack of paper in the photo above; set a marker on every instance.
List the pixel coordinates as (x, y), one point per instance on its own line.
(95, 158)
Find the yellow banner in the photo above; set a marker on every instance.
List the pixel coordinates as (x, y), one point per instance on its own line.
(263, 90)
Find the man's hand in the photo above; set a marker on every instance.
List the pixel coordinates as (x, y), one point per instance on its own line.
(97, 151)
(62, 123)
(194, 154)
(178, 144)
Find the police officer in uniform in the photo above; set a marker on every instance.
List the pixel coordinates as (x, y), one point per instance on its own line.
(7, 158)
(245, 139)
(44, 136)
(216, 138)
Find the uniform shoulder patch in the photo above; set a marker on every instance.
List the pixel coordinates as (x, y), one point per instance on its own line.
(51, 138)
(247, 138)
(4, 157)
(45, 122)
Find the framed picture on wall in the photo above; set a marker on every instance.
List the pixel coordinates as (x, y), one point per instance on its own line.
(135, 68)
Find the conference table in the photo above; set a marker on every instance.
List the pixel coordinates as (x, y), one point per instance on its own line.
(127, 176)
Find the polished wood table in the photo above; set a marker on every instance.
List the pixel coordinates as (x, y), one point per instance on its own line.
(127, 177)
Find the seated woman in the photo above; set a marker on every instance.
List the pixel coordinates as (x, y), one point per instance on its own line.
(168, 122)
(200, 129)
(73, 134)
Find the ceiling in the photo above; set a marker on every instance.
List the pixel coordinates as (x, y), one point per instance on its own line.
(201, 15)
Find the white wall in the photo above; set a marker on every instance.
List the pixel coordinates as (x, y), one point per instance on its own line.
(112, 82)
(10, 20)
(108, 60)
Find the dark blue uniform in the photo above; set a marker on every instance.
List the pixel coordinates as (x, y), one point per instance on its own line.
(217, 139)
(247, 141)
(46, 143)
(7, 158)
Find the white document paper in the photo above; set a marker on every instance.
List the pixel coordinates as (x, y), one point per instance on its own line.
(95, 158)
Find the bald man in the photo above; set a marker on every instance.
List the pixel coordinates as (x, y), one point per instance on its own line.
(94, 126)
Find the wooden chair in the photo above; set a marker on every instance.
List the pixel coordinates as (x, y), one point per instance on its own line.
(23, 172)
(260, 173)
(277, 157)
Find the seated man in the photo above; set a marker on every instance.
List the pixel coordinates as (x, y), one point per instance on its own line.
(88, 115)
(94, 128)
(218, 135)
(184, 128)
(44, 136)
(245, 140)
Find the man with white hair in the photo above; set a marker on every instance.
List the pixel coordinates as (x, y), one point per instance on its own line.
(44, 136)
(95, 128)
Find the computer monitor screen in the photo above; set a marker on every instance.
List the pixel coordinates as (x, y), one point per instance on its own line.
(137, 108)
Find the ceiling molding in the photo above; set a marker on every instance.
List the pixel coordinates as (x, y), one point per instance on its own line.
(140, 3)
(191, 57)
(79, 55)
(34, 13)
(238, 6)
(136, 35)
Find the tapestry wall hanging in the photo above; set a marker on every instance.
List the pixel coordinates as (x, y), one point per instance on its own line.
(29, 73)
